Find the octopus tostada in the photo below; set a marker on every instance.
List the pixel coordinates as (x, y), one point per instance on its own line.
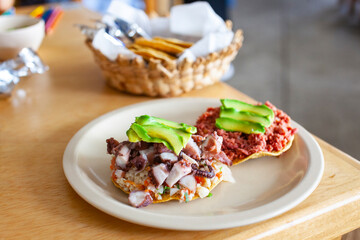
(164, 160)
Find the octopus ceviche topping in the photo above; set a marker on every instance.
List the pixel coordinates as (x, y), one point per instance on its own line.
(248, 131)
(164, 160)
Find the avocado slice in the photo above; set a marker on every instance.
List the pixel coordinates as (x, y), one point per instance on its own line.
(166, 133)
(144, 120)
(244, 116)
(180, 126)
(147, 120)
(232, 125)
(144, 136)
(133, 137)
(159, 133)
(184, 136)
(262, 110)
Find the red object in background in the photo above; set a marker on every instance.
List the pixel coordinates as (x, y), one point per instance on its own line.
(53, 19)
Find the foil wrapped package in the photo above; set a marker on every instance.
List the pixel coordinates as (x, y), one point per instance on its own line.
(121, 30)
(131, 31)
(26, 63)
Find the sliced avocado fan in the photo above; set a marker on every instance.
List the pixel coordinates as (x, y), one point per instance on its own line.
(173, 135)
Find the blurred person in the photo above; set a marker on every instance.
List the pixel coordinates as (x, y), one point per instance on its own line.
(220, 7)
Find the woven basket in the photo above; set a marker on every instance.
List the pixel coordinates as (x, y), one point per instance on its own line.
(166, 78)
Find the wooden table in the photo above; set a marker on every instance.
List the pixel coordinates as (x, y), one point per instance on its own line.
(45, 111)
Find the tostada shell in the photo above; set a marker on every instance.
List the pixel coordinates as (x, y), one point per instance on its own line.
(160, 45)
(263, 154)
(166, 196)
(175, 41)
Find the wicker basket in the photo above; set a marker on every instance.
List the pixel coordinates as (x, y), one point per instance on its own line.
(166, 79)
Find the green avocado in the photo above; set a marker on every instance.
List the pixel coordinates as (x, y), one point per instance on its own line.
(232, 125)
(160, 133)
(133, 137)
(167, 134)
(180, 126)
(147, 120)
(244, 116)
(141, 132)
(184, 136)
(144, 120)
(262, 110)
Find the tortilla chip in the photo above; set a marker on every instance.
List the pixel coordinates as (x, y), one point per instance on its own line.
(263, 154)
(148, 53)
(175, 42)
(166, 197)
(160, 45)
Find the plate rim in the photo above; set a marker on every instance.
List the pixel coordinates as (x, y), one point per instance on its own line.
(300, 192)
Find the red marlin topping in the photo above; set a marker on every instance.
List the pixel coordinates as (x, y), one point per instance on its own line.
(247, 131)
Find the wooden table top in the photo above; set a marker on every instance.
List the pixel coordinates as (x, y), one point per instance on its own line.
(46, 110)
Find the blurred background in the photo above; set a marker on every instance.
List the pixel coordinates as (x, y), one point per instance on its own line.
(303, 56)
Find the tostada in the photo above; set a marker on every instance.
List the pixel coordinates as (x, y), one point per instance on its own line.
(248, 131)
(163, 160)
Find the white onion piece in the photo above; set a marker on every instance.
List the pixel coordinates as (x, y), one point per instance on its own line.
(119, 173)
(173, 191)
(227, 175)
(160, 190)
(207, 182)
(202, 192)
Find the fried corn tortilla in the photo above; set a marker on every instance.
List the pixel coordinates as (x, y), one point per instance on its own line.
(166, 196)
(263, 154)
(160, 45)
(152, 173)
(175, 42)
(238, 146)
(147, 53)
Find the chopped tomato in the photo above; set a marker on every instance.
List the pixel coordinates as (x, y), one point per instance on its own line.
(200, 180)
(112, 166)
(146, 182)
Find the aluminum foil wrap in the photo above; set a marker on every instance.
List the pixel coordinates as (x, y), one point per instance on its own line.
(130, 30)
(26, 63)
(121, 30)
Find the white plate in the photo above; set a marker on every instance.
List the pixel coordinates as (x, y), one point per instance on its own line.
(264, 188)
